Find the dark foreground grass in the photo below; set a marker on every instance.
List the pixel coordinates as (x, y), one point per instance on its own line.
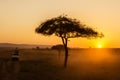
(30, 70)
(38, 70)
(47, 65)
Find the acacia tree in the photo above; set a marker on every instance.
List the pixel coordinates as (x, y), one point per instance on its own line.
(65, 28)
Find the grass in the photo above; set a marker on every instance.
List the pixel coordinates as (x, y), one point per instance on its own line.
(38, 70)
(46, 65)
(33, 64)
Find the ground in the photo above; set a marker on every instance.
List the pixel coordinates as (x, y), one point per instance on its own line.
(48, 65)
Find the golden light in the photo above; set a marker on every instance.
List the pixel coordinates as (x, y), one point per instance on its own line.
(99, 46)
(100, 56)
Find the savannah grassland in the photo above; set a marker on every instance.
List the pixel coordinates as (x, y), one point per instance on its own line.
(45, 64)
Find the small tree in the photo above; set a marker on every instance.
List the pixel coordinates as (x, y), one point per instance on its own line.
(58, 47)
(66, 28)
(37, 47)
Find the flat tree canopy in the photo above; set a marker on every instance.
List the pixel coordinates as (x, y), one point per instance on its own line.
(65, 27)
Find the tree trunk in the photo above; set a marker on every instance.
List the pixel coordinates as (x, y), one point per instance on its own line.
(64, 40)
(66, 57)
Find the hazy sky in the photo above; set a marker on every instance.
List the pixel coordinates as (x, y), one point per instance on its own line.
(19, 18)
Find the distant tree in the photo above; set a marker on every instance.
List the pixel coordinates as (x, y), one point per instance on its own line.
(58, 47)
(65, 28)
(37, 47)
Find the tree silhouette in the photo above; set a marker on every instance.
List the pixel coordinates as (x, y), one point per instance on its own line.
(65, 28)
(59, 48)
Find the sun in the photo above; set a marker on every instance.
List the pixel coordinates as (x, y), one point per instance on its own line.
(99, 46)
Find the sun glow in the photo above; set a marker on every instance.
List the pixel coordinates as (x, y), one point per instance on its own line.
(99, 46)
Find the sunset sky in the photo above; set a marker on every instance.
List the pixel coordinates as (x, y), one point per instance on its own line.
(19, 18)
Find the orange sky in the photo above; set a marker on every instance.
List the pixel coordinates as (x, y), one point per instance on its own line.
(19, 18)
